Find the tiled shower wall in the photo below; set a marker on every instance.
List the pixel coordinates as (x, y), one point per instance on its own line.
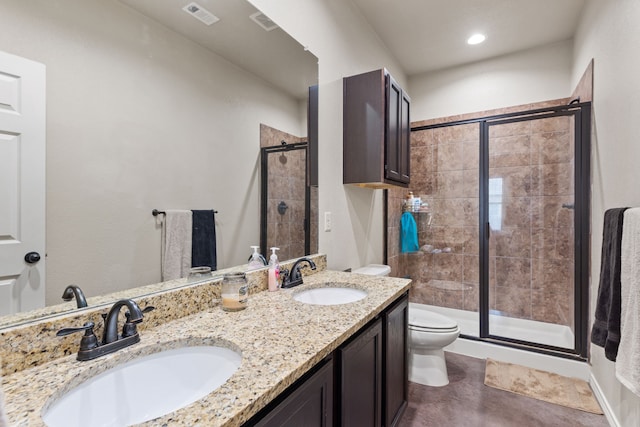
(531, 250)
(286, 183)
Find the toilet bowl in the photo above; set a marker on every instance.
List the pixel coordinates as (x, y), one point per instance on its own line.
(429, 333)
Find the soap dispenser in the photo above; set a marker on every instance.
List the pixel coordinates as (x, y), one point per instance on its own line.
(274, 270)
(256, 260)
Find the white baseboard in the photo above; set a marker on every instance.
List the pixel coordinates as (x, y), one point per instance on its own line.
(604, 403)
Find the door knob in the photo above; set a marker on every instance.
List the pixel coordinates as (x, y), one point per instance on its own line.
(32, 257)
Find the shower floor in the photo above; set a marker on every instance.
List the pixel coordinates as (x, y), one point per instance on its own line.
(522, 329)
(557, 335)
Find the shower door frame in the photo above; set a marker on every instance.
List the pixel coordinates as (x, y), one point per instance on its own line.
(264, 174)
(582, 205)
(581, 112)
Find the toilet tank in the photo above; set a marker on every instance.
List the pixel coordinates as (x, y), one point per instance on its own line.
(374, 270)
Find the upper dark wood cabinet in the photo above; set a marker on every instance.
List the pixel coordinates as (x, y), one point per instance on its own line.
(376, 131)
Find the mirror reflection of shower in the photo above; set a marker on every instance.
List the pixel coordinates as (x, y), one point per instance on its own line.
(287, 199)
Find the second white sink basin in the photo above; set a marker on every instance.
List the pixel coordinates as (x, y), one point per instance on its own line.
(330, 296)
(144, 388)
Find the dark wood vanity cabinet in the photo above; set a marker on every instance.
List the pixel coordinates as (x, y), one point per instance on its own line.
(395, 361)
(376, 131)
(362, 383)
(361, 379)
(310, 404)
(374, 372)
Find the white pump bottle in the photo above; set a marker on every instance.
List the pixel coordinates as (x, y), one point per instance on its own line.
(274, 270)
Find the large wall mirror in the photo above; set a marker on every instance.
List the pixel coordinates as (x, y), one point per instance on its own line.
(149, 108)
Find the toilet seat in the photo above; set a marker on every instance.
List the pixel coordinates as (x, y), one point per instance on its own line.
(427, 321)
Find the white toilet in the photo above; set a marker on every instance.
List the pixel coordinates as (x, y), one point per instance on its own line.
(429, 333)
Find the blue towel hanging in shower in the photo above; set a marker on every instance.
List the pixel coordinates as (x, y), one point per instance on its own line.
(408, 233)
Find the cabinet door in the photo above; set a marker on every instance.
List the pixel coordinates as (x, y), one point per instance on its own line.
(398, 133)
(395, 385)
(310, 405)
(361, 379)
(404, 144)
(392, 152)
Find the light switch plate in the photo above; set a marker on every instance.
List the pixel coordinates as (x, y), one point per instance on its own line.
(328, 222)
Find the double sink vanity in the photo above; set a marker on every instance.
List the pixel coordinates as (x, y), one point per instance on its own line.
(331, 351)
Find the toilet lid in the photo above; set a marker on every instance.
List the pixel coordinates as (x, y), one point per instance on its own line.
(429, 320)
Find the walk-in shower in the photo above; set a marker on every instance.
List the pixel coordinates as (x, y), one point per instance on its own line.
(505, 241)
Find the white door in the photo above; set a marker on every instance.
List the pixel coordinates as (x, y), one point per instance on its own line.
(22, 184)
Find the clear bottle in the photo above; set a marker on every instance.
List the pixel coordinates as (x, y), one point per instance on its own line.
(256, 260)
(235, 292)
(274, 271)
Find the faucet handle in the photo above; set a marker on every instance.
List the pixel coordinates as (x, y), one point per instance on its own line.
(144, 310)
(129, 328)
(284, 276)
(89, 340)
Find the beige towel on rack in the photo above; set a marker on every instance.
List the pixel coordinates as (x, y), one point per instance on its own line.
(628, 360)
(176, 244)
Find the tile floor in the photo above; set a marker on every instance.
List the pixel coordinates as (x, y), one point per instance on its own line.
(467, 402)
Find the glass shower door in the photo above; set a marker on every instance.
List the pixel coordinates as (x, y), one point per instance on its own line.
(529, 212)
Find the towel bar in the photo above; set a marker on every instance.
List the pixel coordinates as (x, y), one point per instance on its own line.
(156, 212)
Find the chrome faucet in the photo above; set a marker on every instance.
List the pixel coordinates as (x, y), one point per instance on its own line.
(91, 348)
(74, 290)
(295, 277)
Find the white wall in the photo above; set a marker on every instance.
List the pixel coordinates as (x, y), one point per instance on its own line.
(533, 75)
(609, 33)
(138, 117)
(336, 32)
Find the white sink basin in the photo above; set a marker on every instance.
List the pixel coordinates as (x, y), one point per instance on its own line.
(144, 388)
(330, 296)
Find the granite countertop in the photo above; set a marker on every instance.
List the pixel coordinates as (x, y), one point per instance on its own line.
(280, 339)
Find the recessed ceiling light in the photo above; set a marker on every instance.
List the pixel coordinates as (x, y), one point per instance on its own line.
(476, 39)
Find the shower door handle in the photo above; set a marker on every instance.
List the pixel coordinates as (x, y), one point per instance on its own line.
(488, 231)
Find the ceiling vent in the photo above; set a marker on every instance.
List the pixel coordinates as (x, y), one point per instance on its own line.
(200, 13)
(264, 21)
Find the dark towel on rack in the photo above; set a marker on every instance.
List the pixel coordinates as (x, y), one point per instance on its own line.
(606, 327)
(203, 240)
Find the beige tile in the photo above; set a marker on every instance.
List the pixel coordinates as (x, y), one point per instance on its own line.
(547, 212)
(513, 272)
(552, 243)
(552, 274)
(470, 183)
(510, 129)
(471, 154)
(513, 302)
(448, 156)
(447, 267)
(448, 184)
(551, 306)
(510, 151)
(552, 124)
(552, 180)
(460, 133)
(471, 269)
(423, 138)
(516, 181)
(552, 147)
(471, 299)
(511, 242)
(516, 212)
